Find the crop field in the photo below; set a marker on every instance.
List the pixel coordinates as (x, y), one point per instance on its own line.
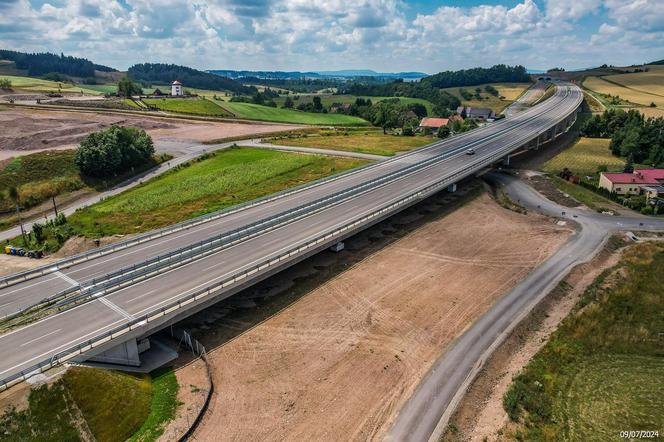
(369, 142)
(194, 106)
(329, 99)
(651, 82)
(584, 157)
(223, 179)
(278, 115)
(600, 372)
(635, 96)
(29, 84)
(511, 91)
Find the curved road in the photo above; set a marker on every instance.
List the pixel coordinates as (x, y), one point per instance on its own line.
(427, 412)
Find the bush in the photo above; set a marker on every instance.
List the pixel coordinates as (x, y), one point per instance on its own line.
(5, 83)
(112, 151)
(444, 132)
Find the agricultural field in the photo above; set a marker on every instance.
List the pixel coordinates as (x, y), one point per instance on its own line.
(213, 182)
(373, 142)
(194, 106)
(510, 92)
(329, 99)
(113, 407)
(585, 157)
(29, 84)
(637, 90)
(264, 113)
(600, 372)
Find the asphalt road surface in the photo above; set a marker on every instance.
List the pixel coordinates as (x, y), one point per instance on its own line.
(37, 342)
(427, 412)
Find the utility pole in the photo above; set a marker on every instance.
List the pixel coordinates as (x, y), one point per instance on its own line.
(20, 221)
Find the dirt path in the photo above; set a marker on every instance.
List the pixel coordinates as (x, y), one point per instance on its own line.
(480, 415)
(340, 360)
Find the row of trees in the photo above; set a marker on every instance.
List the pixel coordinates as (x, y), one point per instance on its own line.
(114, 151)
(499, 73)
(44, 63)
(165, 73)
(632, 136)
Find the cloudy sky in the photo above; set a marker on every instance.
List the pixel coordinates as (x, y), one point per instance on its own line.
(385, 35)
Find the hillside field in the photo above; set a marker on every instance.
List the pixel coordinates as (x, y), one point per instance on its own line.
(264, 113)
(29, 84)
(192, 106)
(584, 157)
(511, 91)
(374, 142)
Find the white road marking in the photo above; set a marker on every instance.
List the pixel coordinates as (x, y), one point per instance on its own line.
(66, 278)
(37, 339)
(116, 308)
(141, 296)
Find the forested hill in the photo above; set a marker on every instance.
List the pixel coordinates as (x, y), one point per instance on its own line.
(499, 73)
(166, 73)
(46, 63)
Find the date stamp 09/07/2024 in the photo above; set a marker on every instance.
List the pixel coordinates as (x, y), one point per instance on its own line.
(639, 434)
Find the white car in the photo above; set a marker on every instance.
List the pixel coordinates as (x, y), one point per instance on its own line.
(470, 152)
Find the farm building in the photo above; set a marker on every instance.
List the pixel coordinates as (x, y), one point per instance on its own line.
(176, 89)
(476, 113)
(436, 123)
(631, 183)
(340, 107)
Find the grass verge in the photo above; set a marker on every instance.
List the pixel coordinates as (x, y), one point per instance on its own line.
(278, 115)
(600, 372)
(585, 196)
(368, 142)
(162, 408)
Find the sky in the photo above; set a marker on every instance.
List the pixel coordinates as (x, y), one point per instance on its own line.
(384, 35)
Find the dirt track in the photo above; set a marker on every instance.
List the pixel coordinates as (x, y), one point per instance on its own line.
(32, 130)
(339, 360)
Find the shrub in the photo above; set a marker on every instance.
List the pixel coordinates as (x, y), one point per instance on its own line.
(5, 83)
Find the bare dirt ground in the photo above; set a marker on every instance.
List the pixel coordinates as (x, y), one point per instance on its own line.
(332, 349)
(35, 129)
(480, 415)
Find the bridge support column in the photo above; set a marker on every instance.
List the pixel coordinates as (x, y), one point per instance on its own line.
(126, 353)
(338, 247)
(506, 160)
(452, 188)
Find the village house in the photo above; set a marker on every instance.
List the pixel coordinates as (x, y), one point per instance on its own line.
(476, 113)
(634, 183)
(434, 123)
(176, 89)
(343, 107)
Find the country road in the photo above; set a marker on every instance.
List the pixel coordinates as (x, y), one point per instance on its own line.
(427, 412)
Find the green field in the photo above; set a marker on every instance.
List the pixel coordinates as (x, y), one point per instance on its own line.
(510, 92)
(368, 142)
(601, 372)
(585, 157)
(29, 84)
(278, 115)
(328, 99)
(226, 178)
(114, 406)
(194, 106)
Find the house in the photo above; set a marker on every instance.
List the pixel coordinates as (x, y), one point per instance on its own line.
(653, 193)
(476, 113)
(631, 183)
(343, 107)
(176, 89)
(433, 123)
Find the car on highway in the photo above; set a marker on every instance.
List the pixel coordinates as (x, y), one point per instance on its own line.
(470, 152)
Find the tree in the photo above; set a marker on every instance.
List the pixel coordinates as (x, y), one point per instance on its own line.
(629, 164)
(113, 151)
(127, 88)
(444, 132)
(318, 105)
(288, 104)
(15, 196)
(5, 83)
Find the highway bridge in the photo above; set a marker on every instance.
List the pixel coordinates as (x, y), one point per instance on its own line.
(132, 289)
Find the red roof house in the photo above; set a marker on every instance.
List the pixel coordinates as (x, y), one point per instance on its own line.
(631, 183)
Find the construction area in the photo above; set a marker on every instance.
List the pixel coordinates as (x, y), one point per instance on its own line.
(333, 348)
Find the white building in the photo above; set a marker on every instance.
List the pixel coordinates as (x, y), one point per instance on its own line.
(176, 89)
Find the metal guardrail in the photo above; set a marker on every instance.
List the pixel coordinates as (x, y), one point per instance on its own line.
(129, 275)
(319, 240)
(85, 256)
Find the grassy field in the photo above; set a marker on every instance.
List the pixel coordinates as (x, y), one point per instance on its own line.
(606, 86)
(328, 99)
(367, 142)
(221, 180)
(193, 106)
(162, 407)
(278, 115)
(114, 405)
(584, 158)
(585, 196)
(510, 92)
(600, 373)
(29, 84)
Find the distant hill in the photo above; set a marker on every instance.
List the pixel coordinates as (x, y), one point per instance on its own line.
(659, 62)
(297, 75)
(166, 73)
(499, 73)
(38, 64)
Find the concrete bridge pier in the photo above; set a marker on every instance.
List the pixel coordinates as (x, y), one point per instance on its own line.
(452, 187)
(126, 353)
